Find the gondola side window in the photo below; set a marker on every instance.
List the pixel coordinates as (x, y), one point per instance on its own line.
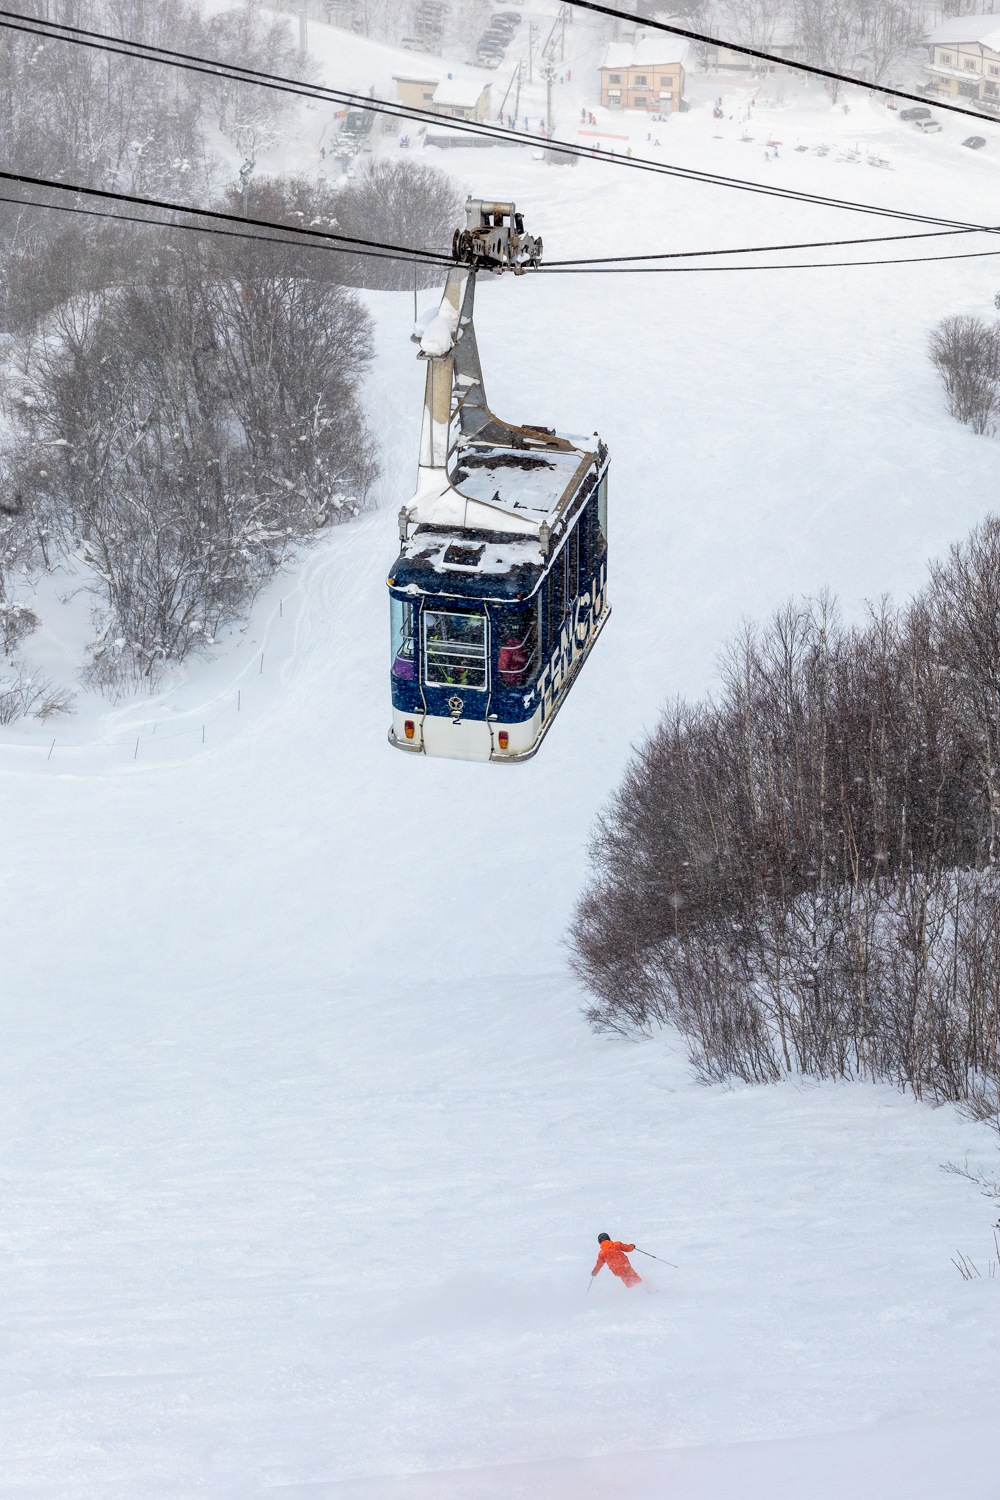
(518, 659)
(401, 617)
(553, 600)
(602, 515)
(454, 648)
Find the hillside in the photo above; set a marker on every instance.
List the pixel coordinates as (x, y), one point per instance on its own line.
(307, 1145)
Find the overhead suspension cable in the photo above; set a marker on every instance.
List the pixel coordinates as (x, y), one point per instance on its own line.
(875, 239)
(333, 241)
(595, 267)
(410, 258)
(771, 57)
(238, 73)
(818, 265)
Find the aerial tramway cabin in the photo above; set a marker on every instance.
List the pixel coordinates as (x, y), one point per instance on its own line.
(500, 587)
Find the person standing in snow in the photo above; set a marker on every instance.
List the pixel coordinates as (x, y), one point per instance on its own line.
(612, 1254)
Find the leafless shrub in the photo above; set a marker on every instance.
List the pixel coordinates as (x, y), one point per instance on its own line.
(803, 875)
(16, 622)
(989, 1186)
(966, 352)
(23, 692)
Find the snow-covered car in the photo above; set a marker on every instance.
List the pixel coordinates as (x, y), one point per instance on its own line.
(920, 113)
(927, 127)
(974, 142)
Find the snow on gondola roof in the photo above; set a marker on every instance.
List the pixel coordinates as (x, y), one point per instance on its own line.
(516, 480)
(503, 488)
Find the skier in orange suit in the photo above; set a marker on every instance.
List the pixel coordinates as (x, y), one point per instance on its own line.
(612, 1254)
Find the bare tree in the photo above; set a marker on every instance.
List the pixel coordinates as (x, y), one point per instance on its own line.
(249, 115)
(194, 433)
(752, 22)
(398, 202)
(831, 33)
(801, 875)
(892, 30)
(966, 352)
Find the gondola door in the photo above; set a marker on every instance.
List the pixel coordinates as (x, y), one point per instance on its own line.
(455, 653)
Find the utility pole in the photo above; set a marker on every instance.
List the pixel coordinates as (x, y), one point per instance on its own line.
(303, 33)
(562, 35)
(550, 73)
(517, 101)
(532, 29)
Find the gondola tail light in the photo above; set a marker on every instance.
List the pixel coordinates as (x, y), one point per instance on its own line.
(408, 729)
(503, 739)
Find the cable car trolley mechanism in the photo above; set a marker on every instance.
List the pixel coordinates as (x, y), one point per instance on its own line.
(500, 587)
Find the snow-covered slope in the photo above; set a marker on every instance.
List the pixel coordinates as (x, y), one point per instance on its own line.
(306, 1145)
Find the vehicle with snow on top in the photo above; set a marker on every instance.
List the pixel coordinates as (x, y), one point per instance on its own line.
(500, 587)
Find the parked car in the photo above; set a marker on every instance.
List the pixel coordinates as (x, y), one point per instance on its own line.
(510, 15)
(975, 142)
(488, 47)
(927, 127)
(915, 114)
(504, 22)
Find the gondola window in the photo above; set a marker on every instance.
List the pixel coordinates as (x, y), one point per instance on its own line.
(403, 665)
(455, 649)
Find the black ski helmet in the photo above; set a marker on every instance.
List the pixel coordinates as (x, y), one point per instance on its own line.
(602, 1237)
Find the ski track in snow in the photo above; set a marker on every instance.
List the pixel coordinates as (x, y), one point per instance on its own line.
(306, 1144)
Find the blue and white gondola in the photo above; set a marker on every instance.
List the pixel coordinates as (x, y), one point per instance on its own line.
(500, 587)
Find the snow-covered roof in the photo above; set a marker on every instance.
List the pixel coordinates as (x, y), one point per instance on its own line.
(647, 52)
(440, 71)
(459, 93)
(969, 29)
(426, 75)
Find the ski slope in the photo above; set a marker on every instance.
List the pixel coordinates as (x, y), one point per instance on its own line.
(306, 1146)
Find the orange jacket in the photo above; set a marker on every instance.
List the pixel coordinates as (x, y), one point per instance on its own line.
(612, 1254)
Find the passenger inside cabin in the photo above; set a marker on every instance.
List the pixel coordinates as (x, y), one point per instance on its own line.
(512, 662)
(402, 667)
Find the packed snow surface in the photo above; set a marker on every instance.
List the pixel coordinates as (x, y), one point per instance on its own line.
(306, 1145)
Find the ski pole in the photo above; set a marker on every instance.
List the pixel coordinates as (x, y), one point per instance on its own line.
(591, 1284)
(657, 1257)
